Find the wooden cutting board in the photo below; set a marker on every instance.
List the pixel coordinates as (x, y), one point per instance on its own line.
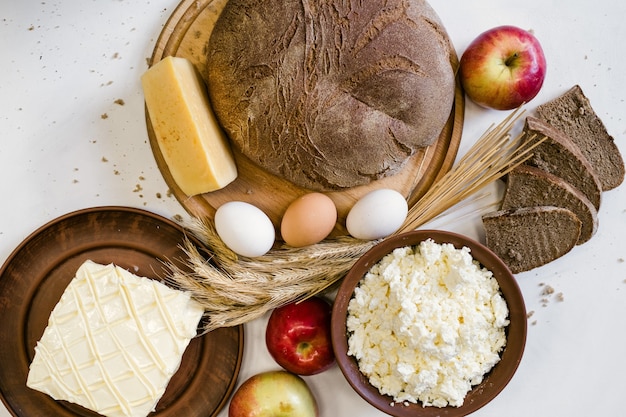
(186, 34)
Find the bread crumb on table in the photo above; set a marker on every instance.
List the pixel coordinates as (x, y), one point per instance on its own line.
(547, 290)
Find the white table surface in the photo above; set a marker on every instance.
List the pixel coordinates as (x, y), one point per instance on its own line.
(67, 145)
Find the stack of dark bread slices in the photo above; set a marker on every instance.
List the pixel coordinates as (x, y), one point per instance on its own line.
(551, 202)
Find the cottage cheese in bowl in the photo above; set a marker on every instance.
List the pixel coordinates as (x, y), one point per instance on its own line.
(429, 323)
(426, 323)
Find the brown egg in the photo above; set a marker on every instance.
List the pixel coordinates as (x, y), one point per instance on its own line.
(308, 220)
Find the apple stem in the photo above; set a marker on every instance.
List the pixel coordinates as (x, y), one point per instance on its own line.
(510, 60)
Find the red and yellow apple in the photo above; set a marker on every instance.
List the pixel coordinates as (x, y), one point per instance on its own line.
(503, 68)
(298, 336)
(273, 394)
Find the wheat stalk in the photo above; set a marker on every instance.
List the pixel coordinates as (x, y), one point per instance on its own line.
(494, 155)
(235, 290)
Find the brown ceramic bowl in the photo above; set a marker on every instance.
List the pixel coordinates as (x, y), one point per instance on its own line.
(494, 381)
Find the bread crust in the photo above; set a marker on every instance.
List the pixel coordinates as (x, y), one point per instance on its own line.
(529, 237)
(572, 113)
(330, 95)
(528, 186)
(558, 155)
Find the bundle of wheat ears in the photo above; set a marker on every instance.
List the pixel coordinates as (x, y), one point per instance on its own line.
(235, 290)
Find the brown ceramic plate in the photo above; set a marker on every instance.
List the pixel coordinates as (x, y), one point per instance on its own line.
(494, 381)
(36, 274)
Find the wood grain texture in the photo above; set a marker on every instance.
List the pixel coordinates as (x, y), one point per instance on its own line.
(186, 34)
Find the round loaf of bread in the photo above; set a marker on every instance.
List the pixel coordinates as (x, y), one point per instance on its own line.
(332, 94)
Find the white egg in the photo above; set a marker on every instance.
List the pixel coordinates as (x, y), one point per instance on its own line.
(244, 228)
(377, 214)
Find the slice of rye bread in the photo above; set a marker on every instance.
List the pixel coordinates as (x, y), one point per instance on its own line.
(572, 113)
(530, 237)
(559, 156)
(528, 186)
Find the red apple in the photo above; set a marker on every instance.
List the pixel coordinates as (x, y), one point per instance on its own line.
(503, 68)
(298, 336)
(273, 394)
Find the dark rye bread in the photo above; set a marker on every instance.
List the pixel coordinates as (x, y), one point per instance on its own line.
(530, 237)
(528, 186)
(559, 156)
(330, 94)
(572, 113)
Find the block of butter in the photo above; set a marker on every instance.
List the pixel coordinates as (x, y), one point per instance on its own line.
(113, 341)
(195, 148)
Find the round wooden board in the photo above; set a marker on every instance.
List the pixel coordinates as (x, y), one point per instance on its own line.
(186, 34)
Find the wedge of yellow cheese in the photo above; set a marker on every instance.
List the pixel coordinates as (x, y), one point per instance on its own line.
(195, 149)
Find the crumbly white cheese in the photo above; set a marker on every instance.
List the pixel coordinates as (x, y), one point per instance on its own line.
(426, 323)
(113, 341)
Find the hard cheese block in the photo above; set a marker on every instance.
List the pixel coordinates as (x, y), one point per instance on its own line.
(113, 341)
(195, 149)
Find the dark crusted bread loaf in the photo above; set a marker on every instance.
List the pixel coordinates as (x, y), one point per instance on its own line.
(559, 156)
(529, 237)
(528, 186)
(330, 94)
(572, 113)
